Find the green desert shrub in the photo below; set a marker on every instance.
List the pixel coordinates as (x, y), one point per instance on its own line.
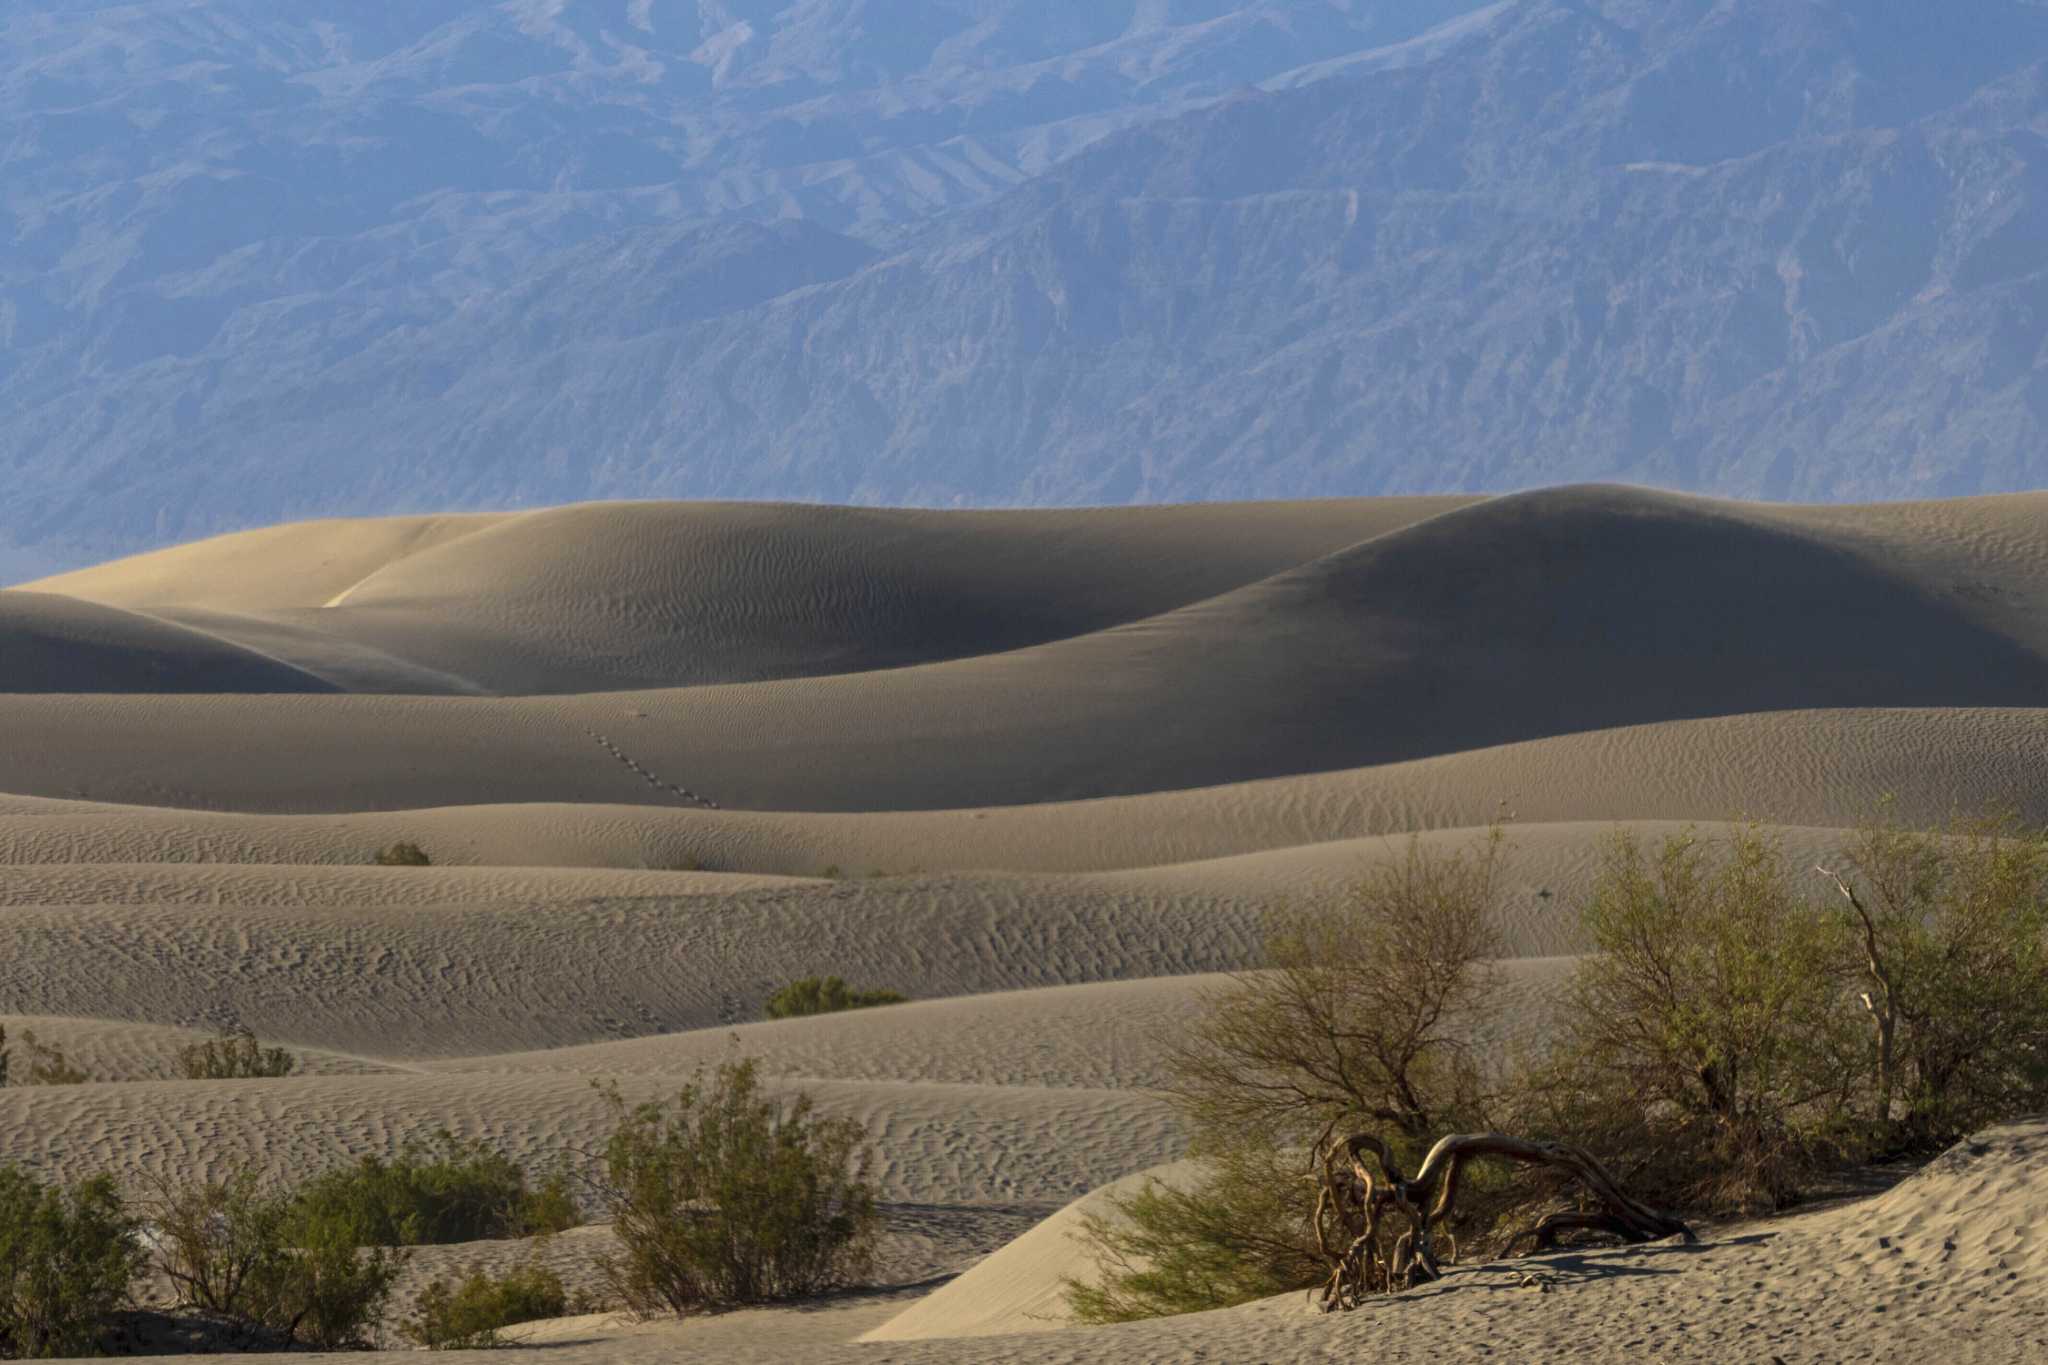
(1741, 1023)
(337, 1288)
(468, 1314)
(1746, 1020)
(730, 1196)
(223, 1245)
(1710, 1023)
(825, 995)
(1235, 1234)
(1946, 942)
(67, 1257)
(265, 1259)
(1363, 1017)
(439, 1190)
(1365, 1011)
(403, 855)
(47, 1064)
(232, 1056)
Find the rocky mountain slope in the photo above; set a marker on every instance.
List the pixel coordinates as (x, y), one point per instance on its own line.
(448, 255)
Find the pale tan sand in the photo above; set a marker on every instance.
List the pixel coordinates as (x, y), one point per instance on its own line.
(1110, 1035)
(614, 595)
(259, 754)
(920, 1245)
(1569, 611)
(1960, 1275)
(1023, 1287)
(99, 883)
(1089, 750)
(1287, 838)
(453, 962)
(114, 1050)
(933, 1144)
(50, 643)
(299, 564)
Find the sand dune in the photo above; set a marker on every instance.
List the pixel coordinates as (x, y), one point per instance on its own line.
(334, 754)
(937, 1144)
(1022, 1288)
(1561, 614)
(1105, 1035)
(1046, 772)
(115, 1050)
(50, 643)
(1947, 1266)
(447, 982)
(619, 595)
(300, 564)
(470, 962)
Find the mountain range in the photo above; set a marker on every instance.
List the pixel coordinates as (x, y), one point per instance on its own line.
(265, 265)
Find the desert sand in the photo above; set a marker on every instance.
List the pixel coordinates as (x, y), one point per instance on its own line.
(1044, 772)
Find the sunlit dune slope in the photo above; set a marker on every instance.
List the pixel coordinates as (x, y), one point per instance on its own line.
(1567, 612)
(618, 595)
(50, 643)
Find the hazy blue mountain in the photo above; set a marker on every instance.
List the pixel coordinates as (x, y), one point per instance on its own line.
(445, 254)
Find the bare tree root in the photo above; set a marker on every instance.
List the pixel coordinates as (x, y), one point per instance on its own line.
(1352, 1204)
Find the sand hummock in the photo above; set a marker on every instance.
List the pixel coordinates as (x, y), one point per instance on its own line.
(1045, 772)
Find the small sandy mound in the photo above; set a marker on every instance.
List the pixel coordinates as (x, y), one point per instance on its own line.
(1022, 1288)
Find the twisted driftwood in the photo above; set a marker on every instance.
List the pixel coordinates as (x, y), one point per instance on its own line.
(1351, 1201)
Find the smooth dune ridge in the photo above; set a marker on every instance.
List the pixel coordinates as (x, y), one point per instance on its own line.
(628, 595)
(1048, 773)
(1533, 616)
(52, 643)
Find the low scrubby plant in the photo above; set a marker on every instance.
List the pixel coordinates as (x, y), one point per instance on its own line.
(232, 1056)
(1710, 1025)
(265, 1259)
(469, 1314)
(1741, 1025)
(338, 1287)
(730, 1196)
(223, 1245)
(47, 1064)
(1946, 941)
(825, 995)
(1363, 1015)
(1233, 1233)
(403, 855)
(440, 1190)
(67, 1256)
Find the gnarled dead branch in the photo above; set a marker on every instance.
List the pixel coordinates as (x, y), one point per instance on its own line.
(1352, 1202)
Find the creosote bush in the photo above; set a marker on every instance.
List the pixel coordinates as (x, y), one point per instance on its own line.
(1742, 1023)
(825, 995)
(1948, 958)
(403, 855)
(47, 1064)
(439, 1190)
(233, 1055)
(467, 1315)
(1708, 1024)
(67, 1256)
(268, 1260)
(1366, 1014)
(729, 1196)
(1234, 1235)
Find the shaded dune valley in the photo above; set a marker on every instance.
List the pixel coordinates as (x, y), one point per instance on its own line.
(1047, 774)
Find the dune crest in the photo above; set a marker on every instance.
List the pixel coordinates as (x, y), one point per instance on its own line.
(1047, 773)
